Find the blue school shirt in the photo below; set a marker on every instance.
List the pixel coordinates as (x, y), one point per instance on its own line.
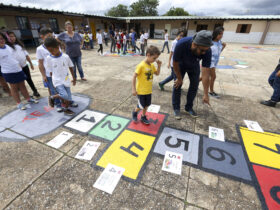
(187, 60)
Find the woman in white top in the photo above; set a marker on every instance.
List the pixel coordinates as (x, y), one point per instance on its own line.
(22, 56)
(100, 42)
(217, 47)
(12, 73)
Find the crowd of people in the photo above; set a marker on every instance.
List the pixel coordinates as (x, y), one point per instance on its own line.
(56, 66)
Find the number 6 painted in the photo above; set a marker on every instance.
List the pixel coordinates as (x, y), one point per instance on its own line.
(222, 153)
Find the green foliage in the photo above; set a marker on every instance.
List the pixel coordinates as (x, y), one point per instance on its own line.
(118, 11)
(144, 8)
(178, 11)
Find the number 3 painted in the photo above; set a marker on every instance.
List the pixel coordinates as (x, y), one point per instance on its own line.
(222, 155)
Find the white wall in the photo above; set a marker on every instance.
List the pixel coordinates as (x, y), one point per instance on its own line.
(272, 38)
(251, 38)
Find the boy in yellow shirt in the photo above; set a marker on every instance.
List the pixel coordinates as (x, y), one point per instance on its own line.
(143, 88)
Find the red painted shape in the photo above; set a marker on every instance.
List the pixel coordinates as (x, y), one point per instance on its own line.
(155, 119)
(48, 108)
(269, 181)
(27, 118)
(37, 114)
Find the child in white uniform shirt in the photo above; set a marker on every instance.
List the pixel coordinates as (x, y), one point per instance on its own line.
(100, 41)
(59, 65)
(172, 76)
(22, 55)
(12, 73)
(42, 53)
(142, 43)
(166, 38)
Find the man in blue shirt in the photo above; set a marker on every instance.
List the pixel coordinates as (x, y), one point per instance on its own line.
(274, 81)
(187, 55)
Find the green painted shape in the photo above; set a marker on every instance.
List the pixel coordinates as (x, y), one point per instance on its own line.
(110, 127)
(241, 62)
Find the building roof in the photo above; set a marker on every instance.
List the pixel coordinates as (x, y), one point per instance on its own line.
(240, 17)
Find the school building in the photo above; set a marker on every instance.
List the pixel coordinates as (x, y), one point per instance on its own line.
(253, 29)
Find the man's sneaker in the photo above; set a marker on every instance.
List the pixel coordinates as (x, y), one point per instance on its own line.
(269, 103)
(59, 109)
(32, 101)
(215, 95)
(134, 116)
(69, 112)
(145, 120)
(177, 115)
(161, 87)
(36, 95)
(192, 113)
(73, 104)
(51, 101)
(21, 106)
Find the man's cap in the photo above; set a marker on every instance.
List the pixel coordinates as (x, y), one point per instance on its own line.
(203, 38)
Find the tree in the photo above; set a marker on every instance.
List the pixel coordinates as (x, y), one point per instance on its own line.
(118, 11)
(178, 11)
(144, 8)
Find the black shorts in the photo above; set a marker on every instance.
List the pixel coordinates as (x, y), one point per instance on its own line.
(144, 101)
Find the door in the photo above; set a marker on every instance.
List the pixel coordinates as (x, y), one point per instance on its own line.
(93, 30)
(168, 27)
(152, 30)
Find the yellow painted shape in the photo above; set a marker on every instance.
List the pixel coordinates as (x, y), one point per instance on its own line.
(132, 165)
(258, 154)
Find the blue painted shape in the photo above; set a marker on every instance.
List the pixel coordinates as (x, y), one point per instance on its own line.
(226, 158)
(225, 67)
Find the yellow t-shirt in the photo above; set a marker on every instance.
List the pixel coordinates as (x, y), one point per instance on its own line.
(86, 37)
(145, 73)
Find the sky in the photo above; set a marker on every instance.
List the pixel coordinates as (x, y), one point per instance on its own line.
(195, 7)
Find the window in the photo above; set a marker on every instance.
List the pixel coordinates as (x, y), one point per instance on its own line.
(217, 25)
(200, 27)
(22, 23)
(54, 25)
(243, 28)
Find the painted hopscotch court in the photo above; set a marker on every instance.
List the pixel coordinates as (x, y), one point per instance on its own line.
(255, 161)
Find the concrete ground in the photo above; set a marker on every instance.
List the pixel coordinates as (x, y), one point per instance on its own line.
(35, 176)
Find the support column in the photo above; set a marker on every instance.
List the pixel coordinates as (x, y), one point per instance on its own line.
(265, 32)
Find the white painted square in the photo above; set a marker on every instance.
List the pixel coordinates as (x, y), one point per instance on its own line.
(85, 121)
(241, 66)
(109, 178)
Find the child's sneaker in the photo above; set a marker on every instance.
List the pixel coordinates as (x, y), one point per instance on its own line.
(36, 95)
(73, 104)
(51, 101)
(69, 112)
(134, 116)
(161, 87)
(21, 106)
(59, 109)
(32, 101)
(215, 95)
(145, 120)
